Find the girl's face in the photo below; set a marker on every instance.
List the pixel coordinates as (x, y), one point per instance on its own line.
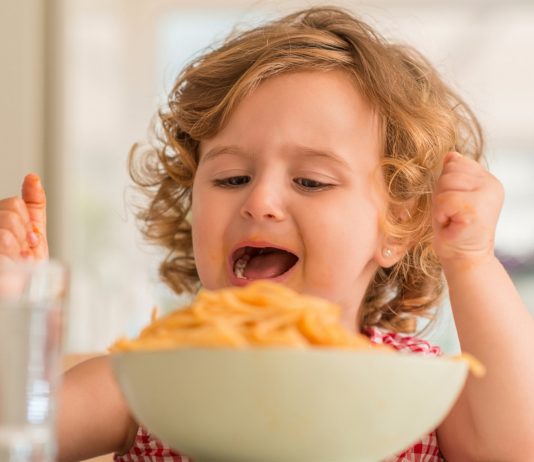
(290, 190)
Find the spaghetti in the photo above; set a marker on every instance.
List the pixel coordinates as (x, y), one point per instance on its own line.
(261, 314)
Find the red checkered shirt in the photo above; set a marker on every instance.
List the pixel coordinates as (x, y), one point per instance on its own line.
(147, 448)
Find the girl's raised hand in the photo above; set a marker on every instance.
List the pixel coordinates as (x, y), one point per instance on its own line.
(466, 206)
(23, 223)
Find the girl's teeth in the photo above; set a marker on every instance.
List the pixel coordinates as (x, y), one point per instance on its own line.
(240, 265)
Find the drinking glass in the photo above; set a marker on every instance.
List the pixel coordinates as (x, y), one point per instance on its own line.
(32, 298)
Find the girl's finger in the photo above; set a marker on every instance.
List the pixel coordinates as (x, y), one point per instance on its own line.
(16, 205)
(452, 206)
(457, 182)
(5, 260)
(455, 162)
(12, 221)
(34, 197)
(9, 245)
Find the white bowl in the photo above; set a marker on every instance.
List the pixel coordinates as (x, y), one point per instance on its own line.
(288, 405)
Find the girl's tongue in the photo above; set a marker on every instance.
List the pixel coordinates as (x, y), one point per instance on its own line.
(267, 263)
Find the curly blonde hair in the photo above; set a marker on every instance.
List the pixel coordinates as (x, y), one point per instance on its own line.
(421, 119)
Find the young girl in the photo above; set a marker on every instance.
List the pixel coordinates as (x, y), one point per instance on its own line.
(357, 167)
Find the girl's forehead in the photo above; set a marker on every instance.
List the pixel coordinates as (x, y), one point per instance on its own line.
(318, 110)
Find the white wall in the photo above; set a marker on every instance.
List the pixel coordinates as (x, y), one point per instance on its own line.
(21, 91)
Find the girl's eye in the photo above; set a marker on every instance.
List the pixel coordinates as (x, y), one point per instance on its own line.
(309, 184)
(232, 181)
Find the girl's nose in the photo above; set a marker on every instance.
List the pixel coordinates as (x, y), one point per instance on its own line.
(263, 202)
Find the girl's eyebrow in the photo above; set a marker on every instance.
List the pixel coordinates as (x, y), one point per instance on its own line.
(217, 151)
(303, 151)
(321, 153)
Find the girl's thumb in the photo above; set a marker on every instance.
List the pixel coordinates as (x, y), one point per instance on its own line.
(33, 194)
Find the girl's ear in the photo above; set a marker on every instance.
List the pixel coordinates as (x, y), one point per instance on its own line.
(390, 252)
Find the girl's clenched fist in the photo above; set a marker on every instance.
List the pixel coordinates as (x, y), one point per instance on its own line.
(467, 203)
(23, 223)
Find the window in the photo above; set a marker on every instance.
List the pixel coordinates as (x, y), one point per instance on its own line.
(118, 60)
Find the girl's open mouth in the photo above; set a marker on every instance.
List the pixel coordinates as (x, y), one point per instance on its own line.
(251, 263)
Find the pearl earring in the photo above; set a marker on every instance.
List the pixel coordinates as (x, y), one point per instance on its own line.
(387, 253)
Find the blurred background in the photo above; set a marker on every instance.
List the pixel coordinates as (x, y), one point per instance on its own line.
(82, 79)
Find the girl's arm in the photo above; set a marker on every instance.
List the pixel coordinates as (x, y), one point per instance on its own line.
(92, 417)
(494, 416)
(496, 411)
